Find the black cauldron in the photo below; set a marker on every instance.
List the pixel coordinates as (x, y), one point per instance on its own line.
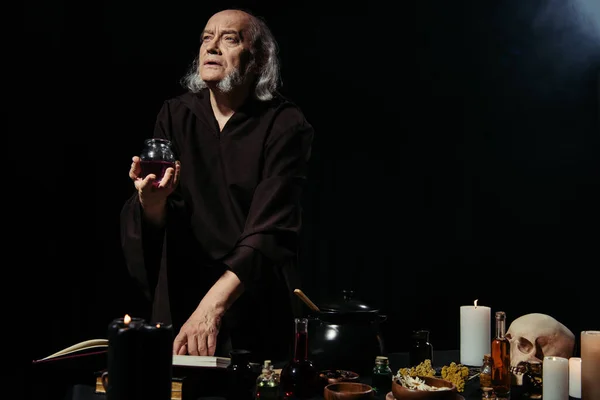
(345, 334)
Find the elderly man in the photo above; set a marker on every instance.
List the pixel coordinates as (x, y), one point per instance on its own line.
(214, 244)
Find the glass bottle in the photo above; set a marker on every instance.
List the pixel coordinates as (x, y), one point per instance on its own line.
(267, 383)
(501, 373)
(381, 379)
(241, 380)
(485, 376)
(532, 380)
(420, 349)
(299, 376)
(156, 156)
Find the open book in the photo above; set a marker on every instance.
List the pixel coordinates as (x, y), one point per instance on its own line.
(100, 346)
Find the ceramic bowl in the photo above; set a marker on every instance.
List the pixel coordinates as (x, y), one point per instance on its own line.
(348, 391)
(402, 393)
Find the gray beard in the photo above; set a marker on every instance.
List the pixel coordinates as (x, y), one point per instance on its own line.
(230, 81)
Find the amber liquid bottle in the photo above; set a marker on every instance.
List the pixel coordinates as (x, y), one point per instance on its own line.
(299, 376)
(501, 375)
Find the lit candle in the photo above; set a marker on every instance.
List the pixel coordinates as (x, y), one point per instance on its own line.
(475, 334)
(555, 378)
(575, 377)
(590, 365)
(124, 346)
(157, 361)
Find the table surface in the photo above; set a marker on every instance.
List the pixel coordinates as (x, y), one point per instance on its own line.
(397, 360)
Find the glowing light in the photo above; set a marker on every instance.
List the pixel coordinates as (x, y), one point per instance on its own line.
(589, 17)
(332, 332)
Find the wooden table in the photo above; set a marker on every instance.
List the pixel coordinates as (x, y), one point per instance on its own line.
(86, 391)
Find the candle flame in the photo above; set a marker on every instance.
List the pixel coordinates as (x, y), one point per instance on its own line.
(127, 319)
(476, 303)
(158, 325)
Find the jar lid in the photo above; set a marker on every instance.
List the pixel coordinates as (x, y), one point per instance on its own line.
(421, 334)
(347, 304)
(239, 354)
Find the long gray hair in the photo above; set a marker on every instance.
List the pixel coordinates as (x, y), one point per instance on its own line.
(263, 53)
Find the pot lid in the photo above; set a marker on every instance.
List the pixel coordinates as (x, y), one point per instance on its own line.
(347, 303)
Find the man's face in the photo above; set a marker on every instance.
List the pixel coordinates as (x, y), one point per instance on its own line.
(225, 46)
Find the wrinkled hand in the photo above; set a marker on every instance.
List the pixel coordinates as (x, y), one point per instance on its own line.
(154, 194)
(198, 336)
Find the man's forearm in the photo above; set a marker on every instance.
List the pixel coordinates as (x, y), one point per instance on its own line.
(156, 214)
(225, 291)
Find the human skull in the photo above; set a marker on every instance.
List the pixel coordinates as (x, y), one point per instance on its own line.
(535, 336)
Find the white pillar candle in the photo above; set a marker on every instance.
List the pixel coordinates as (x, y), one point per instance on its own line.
(575, 377)
(555, 378)
(590, 365)
(475, 334)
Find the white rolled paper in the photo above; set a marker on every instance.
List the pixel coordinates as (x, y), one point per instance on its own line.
(555, 378)
(475, 334)
(575, 377)
(590, 365)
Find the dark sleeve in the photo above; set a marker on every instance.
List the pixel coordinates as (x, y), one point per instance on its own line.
(142, 243)
(271, 232)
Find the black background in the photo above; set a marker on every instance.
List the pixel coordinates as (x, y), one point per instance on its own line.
(455, 158)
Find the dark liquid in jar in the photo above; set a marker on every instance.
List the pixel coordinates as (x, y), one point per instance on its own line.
(158, 168)
(299, 377)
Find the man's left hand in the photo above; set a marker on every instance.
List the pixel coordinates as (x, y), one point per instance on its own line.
(198, 336)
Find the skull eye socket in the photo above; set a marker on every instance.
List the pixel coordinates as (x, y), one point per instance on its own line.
(524, 346)
(541, 344)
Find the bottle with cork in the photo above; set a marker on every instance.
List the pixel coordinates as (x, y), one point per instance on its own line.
(501, 373)
(381, 379)
(485, 377)
(267, 384)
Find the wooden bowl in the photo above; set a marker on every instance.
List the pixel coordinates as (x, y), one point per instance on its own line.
(402, 393)
(348, 391)
(330, 376)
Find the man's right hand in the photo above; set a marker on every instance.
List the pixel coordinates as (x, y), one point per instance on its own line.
(153, 198)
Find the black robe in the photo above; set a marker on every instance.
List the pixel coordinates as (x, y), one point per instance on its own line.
(237, 207)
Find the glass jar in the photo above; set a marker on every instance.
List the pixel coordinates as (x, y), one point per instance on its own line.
(532, 380)
(241, 379)
(381, 379)
(420, 349)
(267, 384)
(157, 155)
(485, 376)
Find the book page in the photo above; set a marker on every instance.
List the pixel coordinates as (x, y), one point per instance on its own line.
(200, 361)
(178, 360)
(86, 344)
